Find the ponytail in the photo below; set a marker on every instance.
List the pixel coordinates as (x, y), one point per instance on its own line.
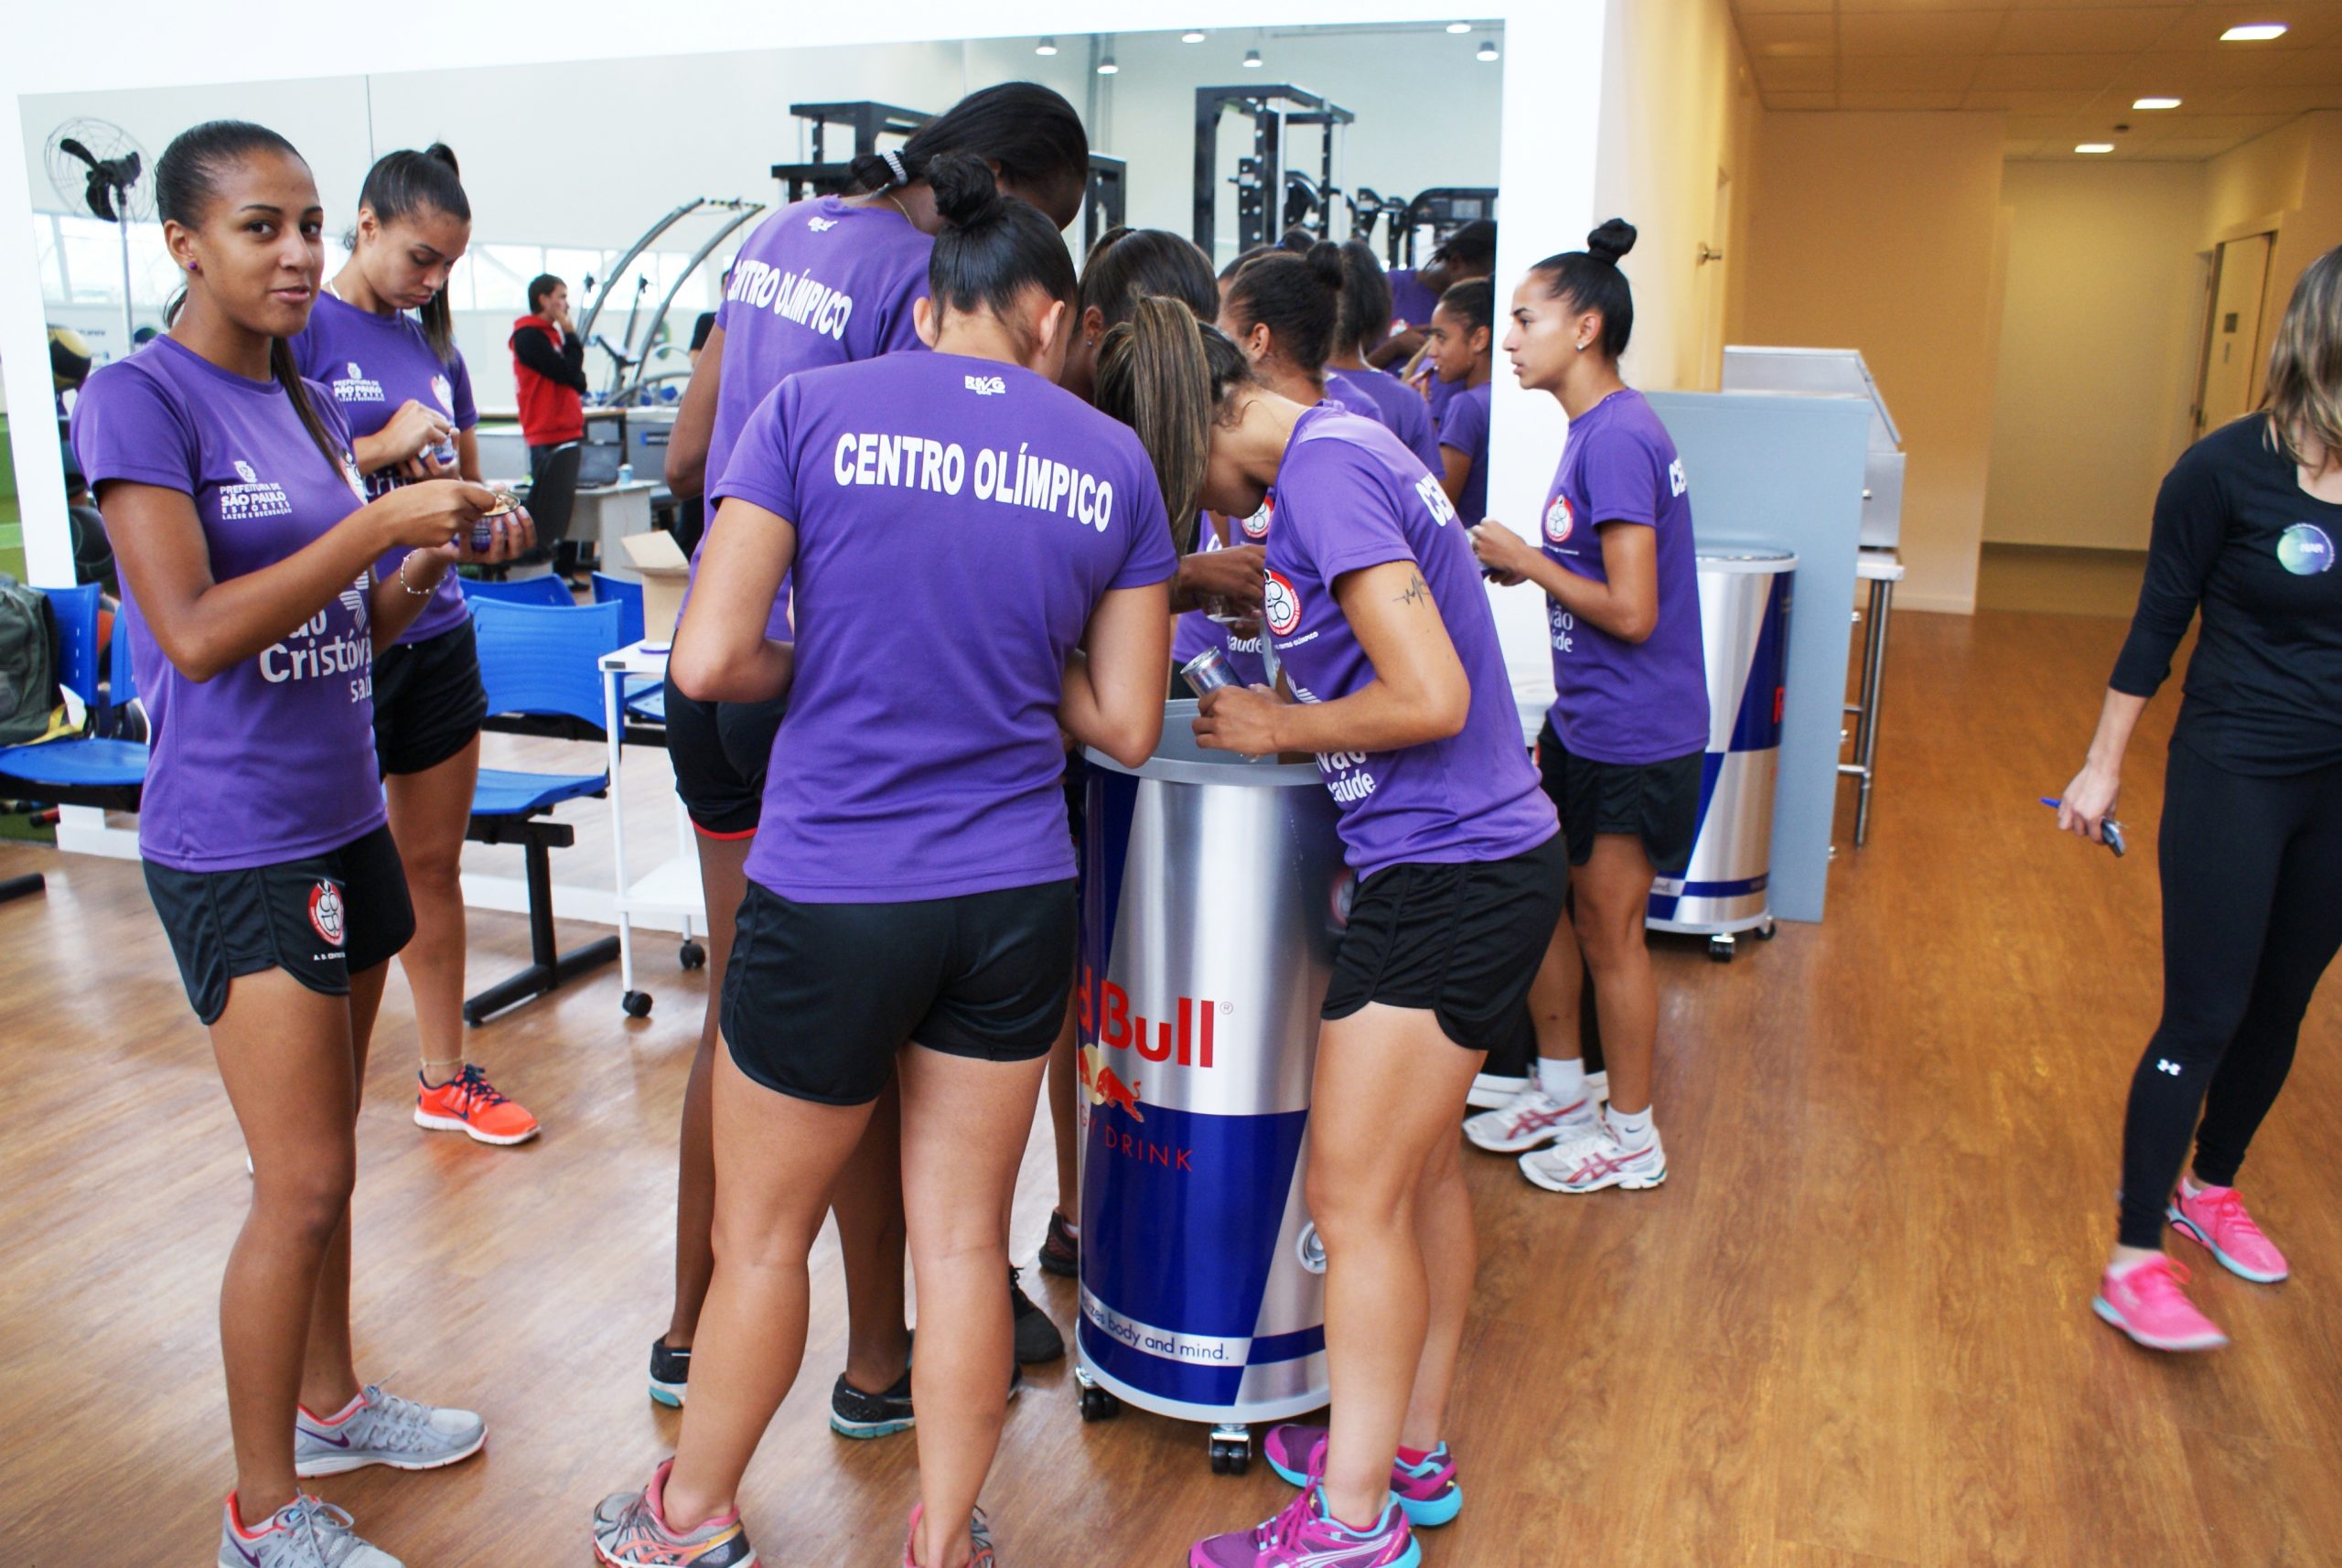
(1169, 378)
(288, 376)
(403, 183)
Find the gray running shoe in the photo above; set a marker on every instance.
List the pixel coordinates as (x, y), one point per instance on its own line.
(385, 1430)
(629, 1533)
(304, 1533)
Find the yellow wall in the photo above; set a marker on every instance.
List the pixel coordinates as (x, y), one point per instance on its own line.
(1680, 114)
(2293, 174)
(1879, 232)
(2099, 343)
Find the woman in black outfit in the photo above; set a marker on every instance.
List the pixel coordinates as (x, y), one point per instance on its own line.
(2245, 531)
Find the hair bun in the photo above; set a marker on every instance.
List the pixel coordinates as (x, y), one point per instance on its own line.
(1612, 241)
(965, 193)
(445, 153)
(1326, 265)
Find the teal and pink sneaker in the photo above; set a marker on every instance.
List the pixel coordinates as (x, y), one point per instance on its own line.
(1303, 1536)
(630, 1530)
(1428, 1492)
(2214, 1218)
(2144, 1301)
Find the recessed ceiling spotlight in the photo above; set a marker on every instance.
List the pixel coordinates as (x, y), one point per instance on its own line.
(1046, 46)
(1487, 50)
(2253, 32)
(1459, 26)
(1251, 59)
(2154, 103)
(2094, 147)
(1192, 35)
(1107, 67)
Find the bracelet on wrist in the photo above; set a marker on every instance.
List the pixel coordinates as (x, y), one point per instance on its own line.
(408, 585)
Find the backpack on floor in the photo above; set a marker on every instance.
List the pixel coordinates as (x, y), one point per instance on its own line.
(28, 693)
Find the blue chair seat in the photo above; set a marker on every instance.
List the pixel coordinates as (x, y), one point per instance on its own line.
(501, 794)
(649, 707)
(77, 764)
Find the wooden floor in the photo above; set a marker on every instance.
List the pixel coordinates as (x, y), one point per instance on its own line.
(1852, 1330)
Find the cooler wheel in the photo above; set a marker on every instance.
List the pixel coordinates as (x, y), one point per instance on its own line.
(1231, 1450)
(1765, 931)
(1719, 948)
(636, 1004)
(1097, 1403)
(693, 956)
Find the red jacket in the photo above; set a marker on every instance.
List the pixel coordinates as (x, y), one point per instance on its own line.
(549, 371)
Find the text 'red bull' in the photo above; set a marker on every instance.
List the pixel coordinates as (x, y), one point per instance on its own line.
(1106, 1017)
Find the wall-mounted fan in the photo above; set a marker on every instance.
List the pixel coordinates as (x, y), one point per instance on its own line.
(95, 165)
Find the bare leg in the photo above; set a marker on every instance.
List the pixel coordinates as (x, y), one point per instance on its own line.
(1390, 1087)
(1451, 1256)
(778, 1158)
(1613, 895)
(429, 812)
(724, 882)
(328, 1378)
(284, 1055)
(868, 1202)
(1554, 996)
(965, 1123)
(1065, 1084)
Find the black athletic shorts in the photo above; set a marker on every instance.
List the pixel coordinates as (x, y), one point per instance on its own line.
(320, 919)
(428, 702)
(819, 997)
(720, 751)
(1658, 802)
(1461, 940)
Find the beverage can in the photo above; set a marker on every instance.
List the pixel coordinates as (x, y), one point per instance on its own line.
(1207, 672)
(444, 453)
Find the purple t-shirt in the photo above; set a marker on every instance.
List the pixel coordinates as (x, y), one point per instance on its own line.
(1350, 497)
(1620, 702)
(1195, 630)
(1398, 408)
(372, 364)
(821, 282)
(273, 759)
(973, 511)
(1465, 427)
(1441, 394)
(1411, 300)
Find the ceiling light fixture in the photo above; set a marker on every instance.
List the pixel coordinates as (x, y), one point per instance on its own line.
(1046, 46)
(1487, 50)
(2154, 103)
(1192, 35)
(1459, 26)
(2094, 147)
(1251, 59)
(2253, 32)
(1107, 67)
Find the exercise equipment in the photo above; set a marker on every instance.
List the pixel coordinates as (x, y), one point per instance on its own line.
(630, 356)
(1274, 108)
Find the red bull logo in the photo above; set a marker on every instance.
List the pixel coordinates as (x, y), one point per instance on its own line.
(1105, 1087)
(1185, 1039)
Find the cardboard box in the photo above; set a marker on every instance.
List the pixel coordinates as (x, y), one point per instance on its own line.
(665, 572)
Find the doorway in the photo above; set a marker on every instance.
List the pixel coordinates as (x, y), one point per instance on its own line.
(2233, 331)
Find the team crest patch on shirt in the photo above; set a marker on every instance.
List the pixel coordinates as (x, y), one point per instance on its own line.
(1559, 521)
(1257, 525)
(1281, 604)
(325, 911)
(445, 394)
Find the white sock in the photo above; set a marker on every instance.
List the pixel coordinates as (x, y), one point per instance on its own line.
(1630, 1128)
(2118, 1270)
(1563, 1081)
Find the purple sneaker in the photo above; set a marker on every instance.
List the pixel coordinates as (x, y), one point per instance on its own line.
(1428, 1492)
(1302, 1537)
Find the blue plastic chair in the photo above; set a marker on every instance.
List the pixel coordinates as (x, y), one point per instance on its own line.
(645, 699)
(548, 591)
(89, 770)
(540, 662)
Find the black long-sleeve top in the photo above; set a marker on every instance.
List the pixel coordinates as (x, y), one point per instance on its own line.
(565, 365)
(2238, 538)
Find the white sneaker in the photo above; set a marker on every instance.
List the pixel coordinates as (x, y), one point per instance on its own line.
(1593, 1158)
(1527, 1120)
(1492, 1090)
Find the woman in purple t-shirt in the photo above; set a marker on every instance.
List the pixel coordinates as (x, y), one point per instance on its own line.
(382, 341)
(1622, 751)
(1366, 316)
(1462, 331)
(1394, 676)
(248, 551)
(909, 916)
(827, 281)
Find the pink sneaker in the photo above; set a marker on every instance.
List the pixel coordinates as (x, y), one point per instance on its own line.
(2214, 1217)
(2147, 1304)
(1428, 1493)
(1302, 1537)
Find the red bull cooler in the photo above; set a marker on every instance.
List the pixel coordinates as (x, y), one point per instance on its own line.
(1213, 893)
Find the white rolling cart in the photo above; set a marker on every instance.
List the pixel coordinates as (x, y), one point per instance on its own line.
(671, 888)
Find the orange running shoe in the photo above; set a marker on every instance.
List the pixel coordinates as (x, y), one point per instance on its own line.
(469, 1103)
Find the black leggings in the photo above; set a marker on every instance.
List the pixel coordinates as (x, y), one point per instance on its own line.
(2251, 918)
